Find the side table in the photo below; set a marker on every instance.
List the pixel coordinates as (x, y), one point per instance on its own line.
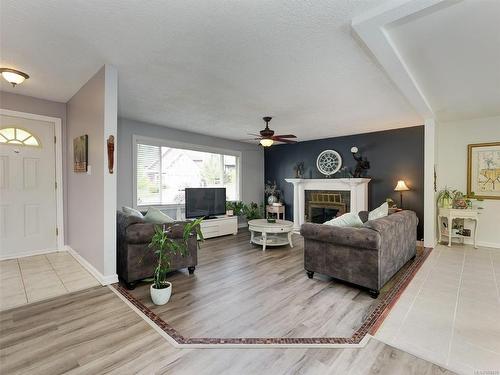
(270, 209)
(452, 213)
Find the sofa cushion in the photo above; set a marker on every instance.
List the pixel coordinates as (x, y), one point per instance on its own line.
(132, 212)
(141, 233)
(379, 212)
(348, 236)
(363, 215)
(350, 219)
(155, 216)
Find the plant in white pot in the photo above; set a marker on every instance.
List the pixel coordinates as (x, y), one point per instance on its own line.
(165, 247)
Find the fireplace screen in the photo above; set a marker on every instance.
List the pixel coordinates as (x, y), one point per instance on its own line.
(322, 206)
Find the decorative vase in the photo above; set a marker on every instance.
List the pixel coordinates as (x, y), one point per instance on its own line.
(160, 296)
(272, 199)
(446, 202)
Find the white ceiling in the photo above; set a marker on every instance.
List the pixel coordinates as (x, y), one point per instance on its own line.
(213, 67)
(453, 52)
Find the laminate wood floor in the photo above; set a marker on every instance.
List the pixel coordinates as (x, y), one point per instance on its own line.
(240, 291)
(94, 332)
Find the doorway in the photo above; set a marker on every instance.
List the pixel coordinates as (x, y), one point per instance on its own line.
(31, 205)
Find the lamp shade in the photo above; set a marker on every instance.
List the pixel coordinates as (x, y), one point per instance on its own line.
(401, 186)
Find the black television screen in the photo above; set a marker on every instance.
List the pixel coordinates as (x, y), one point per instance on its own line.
(205, 202)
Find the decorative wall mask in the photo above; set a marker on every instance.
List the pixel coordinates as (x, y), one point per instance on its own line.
(111, 153)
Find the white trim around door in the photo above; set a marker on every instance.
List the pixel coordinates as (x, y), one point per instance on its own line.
(58, 162)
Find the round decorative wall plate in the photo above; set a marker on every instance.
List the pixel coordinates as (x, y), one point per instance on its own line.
(329, 162)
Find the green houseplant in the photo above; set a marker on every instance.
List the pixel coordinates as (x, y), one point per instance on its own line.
(445, 198)
(165, 247)
(253, 211)
(236, 207)
(448, 198)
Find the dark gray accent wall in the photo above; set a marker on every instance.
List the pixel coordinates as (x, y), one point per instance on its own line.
(393, 154)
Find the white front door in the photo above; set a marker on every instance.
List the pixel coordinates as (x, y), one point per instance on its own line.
(28, 211)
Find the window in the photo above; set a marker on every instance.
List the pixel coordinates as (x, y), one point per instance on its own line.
(17, 136)
(162, 173)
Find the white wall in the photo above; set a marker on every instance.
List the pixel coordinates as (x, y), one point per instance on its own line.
(452, 139)
(252, 157)
(92, 196)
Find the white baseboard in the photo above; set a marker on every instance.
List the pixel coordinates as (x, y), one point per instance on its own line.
(104, 280)
(29, 254)
(488, 244)
(470, 241)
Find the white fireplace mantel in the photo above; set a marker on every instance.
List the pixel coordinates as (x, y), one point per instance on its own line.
(358, 187)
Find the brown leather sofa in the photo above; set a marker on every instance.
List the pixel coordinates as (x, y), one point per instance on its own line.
(137, 261)
(367, 256)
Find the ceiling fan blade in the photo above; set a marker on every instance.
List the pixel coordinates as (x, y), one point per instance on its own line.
(285, 136)
(257, 135)
(284, 140)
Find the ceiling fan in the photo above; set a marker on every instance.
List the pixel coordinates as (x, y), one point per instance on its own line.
(267, 137)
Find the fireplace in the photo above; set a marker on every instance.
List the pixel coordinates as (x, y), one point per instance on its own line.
(324, 205)
(357, 188)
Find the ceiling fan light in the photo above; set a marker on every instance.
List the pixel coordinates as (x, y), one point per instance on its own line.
(266, 142)
(14, 77)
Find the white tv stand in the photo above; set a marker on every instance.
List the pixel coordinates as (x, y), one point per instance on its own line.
(220, 226)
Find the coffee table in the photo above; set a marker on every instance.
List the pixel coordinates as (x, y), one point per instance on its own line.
(271, 234)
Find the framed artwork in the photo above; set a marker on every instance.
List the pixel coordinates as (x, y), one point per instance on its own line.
(80, 153)
(483, 170)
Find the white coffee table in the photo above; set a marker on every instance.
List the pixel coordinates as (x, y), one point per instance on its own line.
(271, 234)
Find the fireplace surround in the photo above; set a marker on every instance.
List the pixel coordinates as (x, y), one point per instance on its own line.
(357, 187)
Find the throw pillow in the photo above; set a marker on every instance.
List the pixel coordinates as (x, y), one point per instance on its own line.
(132, 212)
(350, 219)
(379, 212)
(155, 216)
(363, 215)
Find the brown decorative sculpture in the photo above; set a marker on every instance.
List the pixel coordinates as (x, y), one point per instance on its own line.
(362, 164)
(111, 153)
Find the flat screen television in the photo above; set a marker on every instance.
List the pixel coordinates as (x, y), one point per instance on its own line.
(205, 202)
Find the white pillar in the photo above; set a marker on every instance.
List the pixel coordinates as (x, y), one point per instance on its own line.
(296, 207)
(430, 159)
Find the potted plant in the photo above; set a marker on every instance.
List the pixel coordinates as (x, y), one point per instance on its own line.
(237, 208)
(253, 211)
(445, 198)
(165, 247)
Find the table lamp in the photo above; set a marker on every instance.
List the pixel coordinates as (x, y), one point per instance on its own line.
(401, 186)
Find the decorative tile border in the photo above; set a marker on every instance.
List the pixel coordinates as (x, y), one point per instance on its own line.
(369, 326)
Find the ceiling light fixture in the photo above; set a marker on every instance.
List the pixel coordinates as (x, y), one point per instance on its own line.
(266, 142)
(14, 77)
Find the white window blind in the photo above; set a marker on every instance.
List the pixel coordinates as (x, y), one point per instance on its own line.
(148, 174)
(164, 172)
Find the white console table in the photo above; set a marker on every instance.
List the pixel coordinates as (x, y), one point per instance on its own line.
(220, 226)
(450, 214)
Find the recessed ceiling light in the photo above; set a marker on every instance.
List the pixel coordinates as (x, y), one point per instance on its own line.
(14, 77)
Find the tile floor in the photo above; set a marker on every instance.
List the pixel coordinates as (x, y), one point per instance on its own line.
(450, 312)
(31, 279)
